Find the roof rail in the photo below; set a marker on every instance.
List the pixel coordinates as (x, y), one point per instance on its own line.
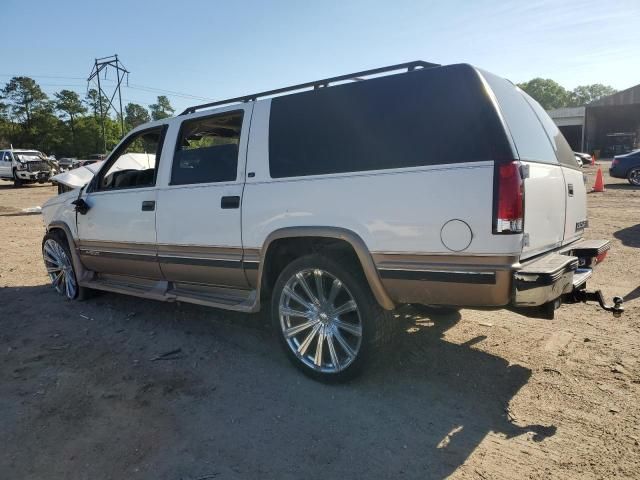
(357, 76)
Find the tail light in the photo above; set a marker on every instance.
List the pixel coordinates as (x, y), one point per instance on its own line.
(508, 199)
(600, 258)
(615, 162)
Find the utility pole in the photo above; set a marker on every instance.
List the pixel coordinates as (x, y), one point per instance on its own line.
(99, 65)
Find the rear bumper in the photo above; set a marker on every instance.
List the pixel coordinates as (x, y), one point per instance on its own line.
(617, 172)
(546, 278)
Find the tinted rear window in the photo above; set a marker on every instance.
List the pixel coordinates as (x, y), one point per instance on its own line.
(427, 117)
(528, 135)
(559, 143)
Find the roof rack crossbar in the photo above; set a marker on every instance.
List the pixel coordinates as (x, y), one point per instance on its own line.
(325, 82)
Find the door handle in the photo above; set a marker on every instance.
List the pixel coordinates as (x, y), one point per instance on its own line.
(570, 189)
(230, 202)
(148, 206)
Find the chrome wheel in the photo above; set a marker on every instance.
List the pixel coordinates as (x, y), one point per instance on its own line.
(59, 269)
(634, 177)
(320, 320)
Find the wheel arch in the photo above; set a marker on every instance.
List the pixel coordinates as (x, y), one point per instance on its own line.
(356, 244)
(82, 274)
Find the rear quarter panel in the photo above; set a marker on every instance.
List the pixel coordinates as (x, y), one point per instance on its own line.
(399, 210)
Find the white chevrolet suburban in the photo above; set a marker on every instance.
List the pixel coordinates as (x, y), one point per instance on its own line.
(334, 202)
(24, 166)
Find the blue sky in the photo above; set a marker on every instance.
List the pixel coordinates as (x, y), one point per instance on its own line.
(215, 49)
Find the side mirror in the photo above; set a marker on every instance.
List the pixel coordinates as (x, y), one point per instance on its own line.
(82, 207)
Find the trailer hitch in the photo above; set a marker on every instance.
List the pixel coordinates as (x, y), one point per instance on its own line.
(585, 296)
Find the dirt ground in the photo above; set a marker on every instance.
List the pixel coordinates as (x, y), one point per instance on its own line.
(469, 394)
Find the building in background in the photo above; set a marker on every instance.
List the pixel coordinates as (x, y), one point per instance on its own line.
(610, 125)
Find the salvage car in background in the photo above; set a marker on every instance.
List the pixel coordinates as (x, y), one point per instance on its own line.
(582, 158)
(627, 166)
(24, 166)
(66, 163)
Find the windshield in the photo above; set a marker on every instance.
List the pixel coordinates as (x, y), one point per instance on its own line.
(28, 156)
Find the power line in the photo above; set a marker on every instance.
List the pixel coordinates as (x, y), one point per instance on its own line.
(147, 88)
(81, 89)
(41, 76)
(169, 92)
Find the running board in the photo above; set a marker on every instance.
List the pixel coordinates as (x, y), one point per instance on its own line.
(206, 295)
(219, 297)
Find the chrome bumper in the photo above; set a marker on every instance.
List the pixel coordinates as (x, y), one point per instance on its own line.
(33, 176)
(545, 279)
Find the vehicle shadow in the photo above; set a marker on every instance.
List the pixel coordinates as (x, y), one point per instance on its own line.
(19, 214)
(10, 186)
(630, 236)
(632, 295)
(226, 400)
(620, 186)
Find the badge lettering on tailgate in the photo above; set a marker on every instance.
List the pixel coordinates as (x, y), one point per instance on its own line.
(582, 225)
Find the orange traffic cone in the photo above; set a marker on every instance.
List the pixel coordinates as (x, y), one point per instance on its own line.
(599, 185)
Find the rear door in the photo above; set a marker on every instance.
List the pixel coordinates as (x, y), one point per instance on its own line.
(575, 191)
(544, 189)
(199, 214)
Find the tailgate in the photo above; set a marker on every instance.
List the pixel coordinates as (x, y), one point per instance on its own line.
(544, 208)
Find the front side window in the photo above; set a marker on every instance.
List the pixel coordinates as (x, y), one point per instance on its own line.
(207, 150)
(135, 162)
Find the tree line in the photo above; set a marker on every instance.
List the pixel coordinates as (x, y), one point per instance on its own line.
(66, 124)
(551, 94)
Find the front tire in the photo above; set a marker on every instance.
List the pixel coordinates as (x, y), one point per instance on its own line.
(17, 182)
(59, 265)
(327, 319)
(634, 177)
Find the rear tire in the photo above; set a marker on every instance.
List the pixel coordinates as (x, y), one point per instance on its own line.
(326, 318)
(634, 177)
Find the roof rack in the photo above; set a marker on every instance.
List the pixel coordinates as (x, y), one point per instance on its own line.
(357, 76)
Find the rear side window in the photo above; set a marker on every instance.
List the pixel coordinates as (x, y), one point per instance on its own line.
(427, 117)
(207, 150)
(528, 135)
(559, 143)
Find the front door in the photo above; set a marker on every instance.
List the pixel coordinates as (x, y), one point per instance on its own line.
(199, 237)
(118, 233)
